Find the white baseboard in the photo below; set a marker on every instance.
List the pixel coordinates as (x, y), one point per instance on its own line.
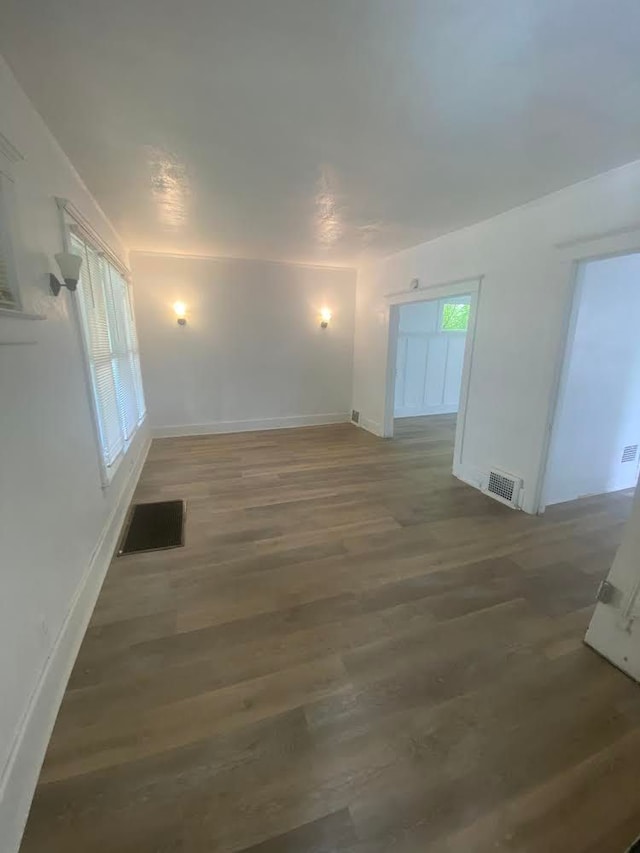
(470, 476)
(371, 426)
(591, 489)
(250, 425)
(22, 769)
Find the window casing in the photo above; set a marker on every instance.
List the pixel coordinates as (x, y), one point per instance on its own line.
(9, 297)
(111, 348)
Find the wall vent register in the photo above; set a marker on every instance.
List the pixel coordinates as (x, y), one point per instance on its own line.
(503, 487)
(630, 453)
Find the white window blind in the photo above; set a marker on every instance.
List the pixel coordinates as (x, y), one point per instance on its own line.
(7, 285)
(111, 346)
(6, 295)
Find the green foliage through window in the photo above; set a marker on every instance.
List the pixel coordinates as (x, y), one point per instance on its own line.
(455, 317)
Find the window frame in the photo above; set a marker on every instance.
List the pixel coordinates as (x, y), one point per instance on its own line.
(8, 236)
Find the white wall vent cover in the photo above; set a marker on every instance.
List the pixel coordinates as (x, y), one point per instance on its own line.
(630, 453)
(503, 487)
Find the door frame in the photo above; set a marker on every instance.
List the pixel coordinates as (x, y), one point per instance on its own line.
(575, 254)
(428, 293)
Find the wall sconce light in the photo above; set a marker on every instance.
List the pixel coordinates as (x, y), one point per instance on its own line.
(325, 316)
(181, 313)
(69, 265)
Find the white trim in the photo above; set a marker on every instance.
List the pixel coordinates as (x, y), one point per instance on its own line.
(465, 383)
(185, 256)
(390, 370)
(470, 475)
(431, 292)
(88, 234)
(218, 427)
(560, 377)
(371, 426)
(20, 774)
(17, 314)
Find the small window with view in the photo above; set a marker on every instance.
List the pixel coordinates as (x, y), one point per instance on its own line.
(454, 317)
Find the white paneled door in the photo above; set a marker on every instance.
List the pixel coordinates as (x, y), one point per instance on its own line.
(615, 627)
(429, 361)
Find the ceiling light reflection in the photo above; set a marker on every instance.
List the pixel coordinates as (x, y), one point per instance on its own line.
(169, 186)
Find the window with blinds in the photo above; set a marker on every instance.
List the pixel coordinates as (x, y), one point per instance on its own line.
(8, 296)
(7, 299)
(111, 345)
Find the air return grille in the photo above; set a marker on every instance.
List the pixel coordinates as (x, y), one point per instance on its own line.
(503, 487)
(630, 453)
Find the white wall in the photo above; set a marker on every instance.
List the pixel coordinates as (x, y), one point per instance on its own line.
(252, 354)
(598, 411)
(53, 511)
(525, 258)
(429, 361)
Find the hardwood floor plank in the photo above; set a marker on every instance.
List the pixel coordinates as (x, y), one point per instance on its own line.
(354, 652)
(128, 736)
(475, 749)
(331, 834)
(545, 818)
(163, 801)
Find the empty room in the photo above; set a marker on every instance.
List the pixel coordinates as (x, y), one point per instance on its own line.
(319, 426)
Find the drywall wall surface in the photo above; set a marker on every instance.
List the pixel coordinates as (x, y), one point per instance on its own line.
(53, 510)
(525, 260)
(598, 413)
(252, 354)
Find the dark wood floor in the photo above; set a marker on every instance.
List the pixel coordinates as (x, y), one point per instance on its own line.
(354, 652)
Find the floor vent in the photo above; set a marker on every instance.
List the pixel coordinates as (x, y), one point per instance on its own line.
(355, 416)
(154, 527)
(503, 487)
(630, 453)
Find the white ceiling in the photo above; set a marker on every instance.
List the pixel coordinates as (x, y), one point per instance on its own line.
(319, 130)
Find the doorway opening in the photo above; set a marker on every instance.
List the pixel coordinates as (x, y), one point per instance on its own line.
(431, 338)
(429, 360)
(595, 438)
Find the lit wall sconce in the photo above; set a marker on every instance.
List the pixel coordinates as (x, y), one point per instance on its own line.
(325, 316)
(181, 313)
(69, 265)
